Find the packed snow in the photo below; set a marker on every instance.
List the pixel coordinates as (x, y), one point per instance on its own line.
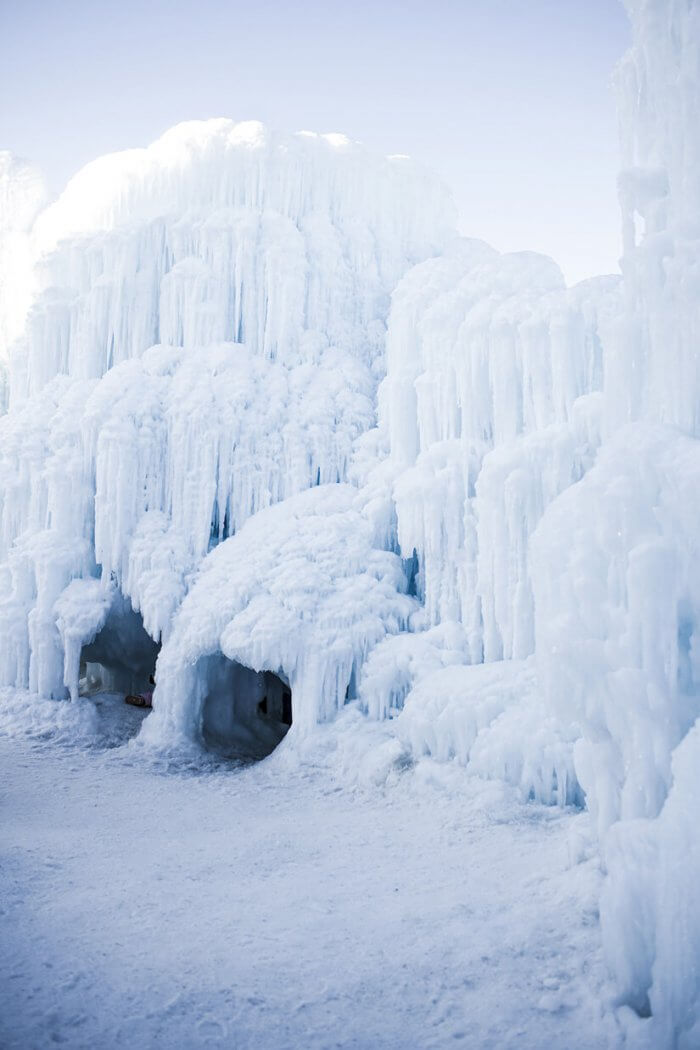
(342, 483)
(288, 907)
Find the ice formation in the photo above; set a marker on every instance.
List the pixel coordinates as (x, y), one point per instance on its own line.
(491, 718)
(265, 410)
(299, 591)
(203, 339)
(653, 860)
(492, 407)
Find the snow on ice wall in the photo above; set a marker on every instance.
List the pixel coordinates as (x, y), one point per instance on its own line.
(489, 717)
(204, 338)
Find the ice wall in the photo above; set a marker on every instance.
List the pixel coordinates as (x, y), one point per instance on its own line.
(618, 609)
(650, 908)
(204, 338)
(655, 361)
(491, 407)
(615, 558)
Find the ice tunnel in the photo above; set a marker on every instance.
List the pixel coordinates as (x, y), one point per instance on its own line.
(245, 713)
(122, 656)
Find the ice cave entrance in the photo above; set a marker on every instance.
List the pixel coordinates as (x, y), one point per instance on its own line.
(122, 657)
(246, 713)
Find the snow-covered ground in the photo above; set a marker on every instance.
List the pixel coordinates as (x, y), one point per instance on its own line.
(268, 907)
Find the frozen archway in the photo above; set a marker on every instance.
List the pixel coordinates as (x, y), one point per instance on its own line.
(122, 655)
(105, 644)
(245, 713)
(300, 591)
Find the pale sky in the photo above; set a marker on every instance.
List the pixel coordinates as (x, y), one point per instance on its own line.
(509, 101)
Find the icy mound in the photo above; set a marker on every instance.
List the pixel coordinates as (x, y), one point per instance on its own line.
(300, 591)
(490, 718)
(223, 232)
(396, 664)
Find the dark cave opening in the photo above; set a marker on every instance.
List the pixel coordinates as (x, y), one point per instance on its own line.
(122, 657)
(245, 713)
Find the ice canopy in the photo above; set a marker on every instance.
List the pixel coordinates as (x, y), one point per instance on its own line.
(263, 408)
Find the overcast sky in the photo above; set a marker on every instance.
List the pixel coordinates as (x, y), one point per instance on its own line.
(510, 101)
